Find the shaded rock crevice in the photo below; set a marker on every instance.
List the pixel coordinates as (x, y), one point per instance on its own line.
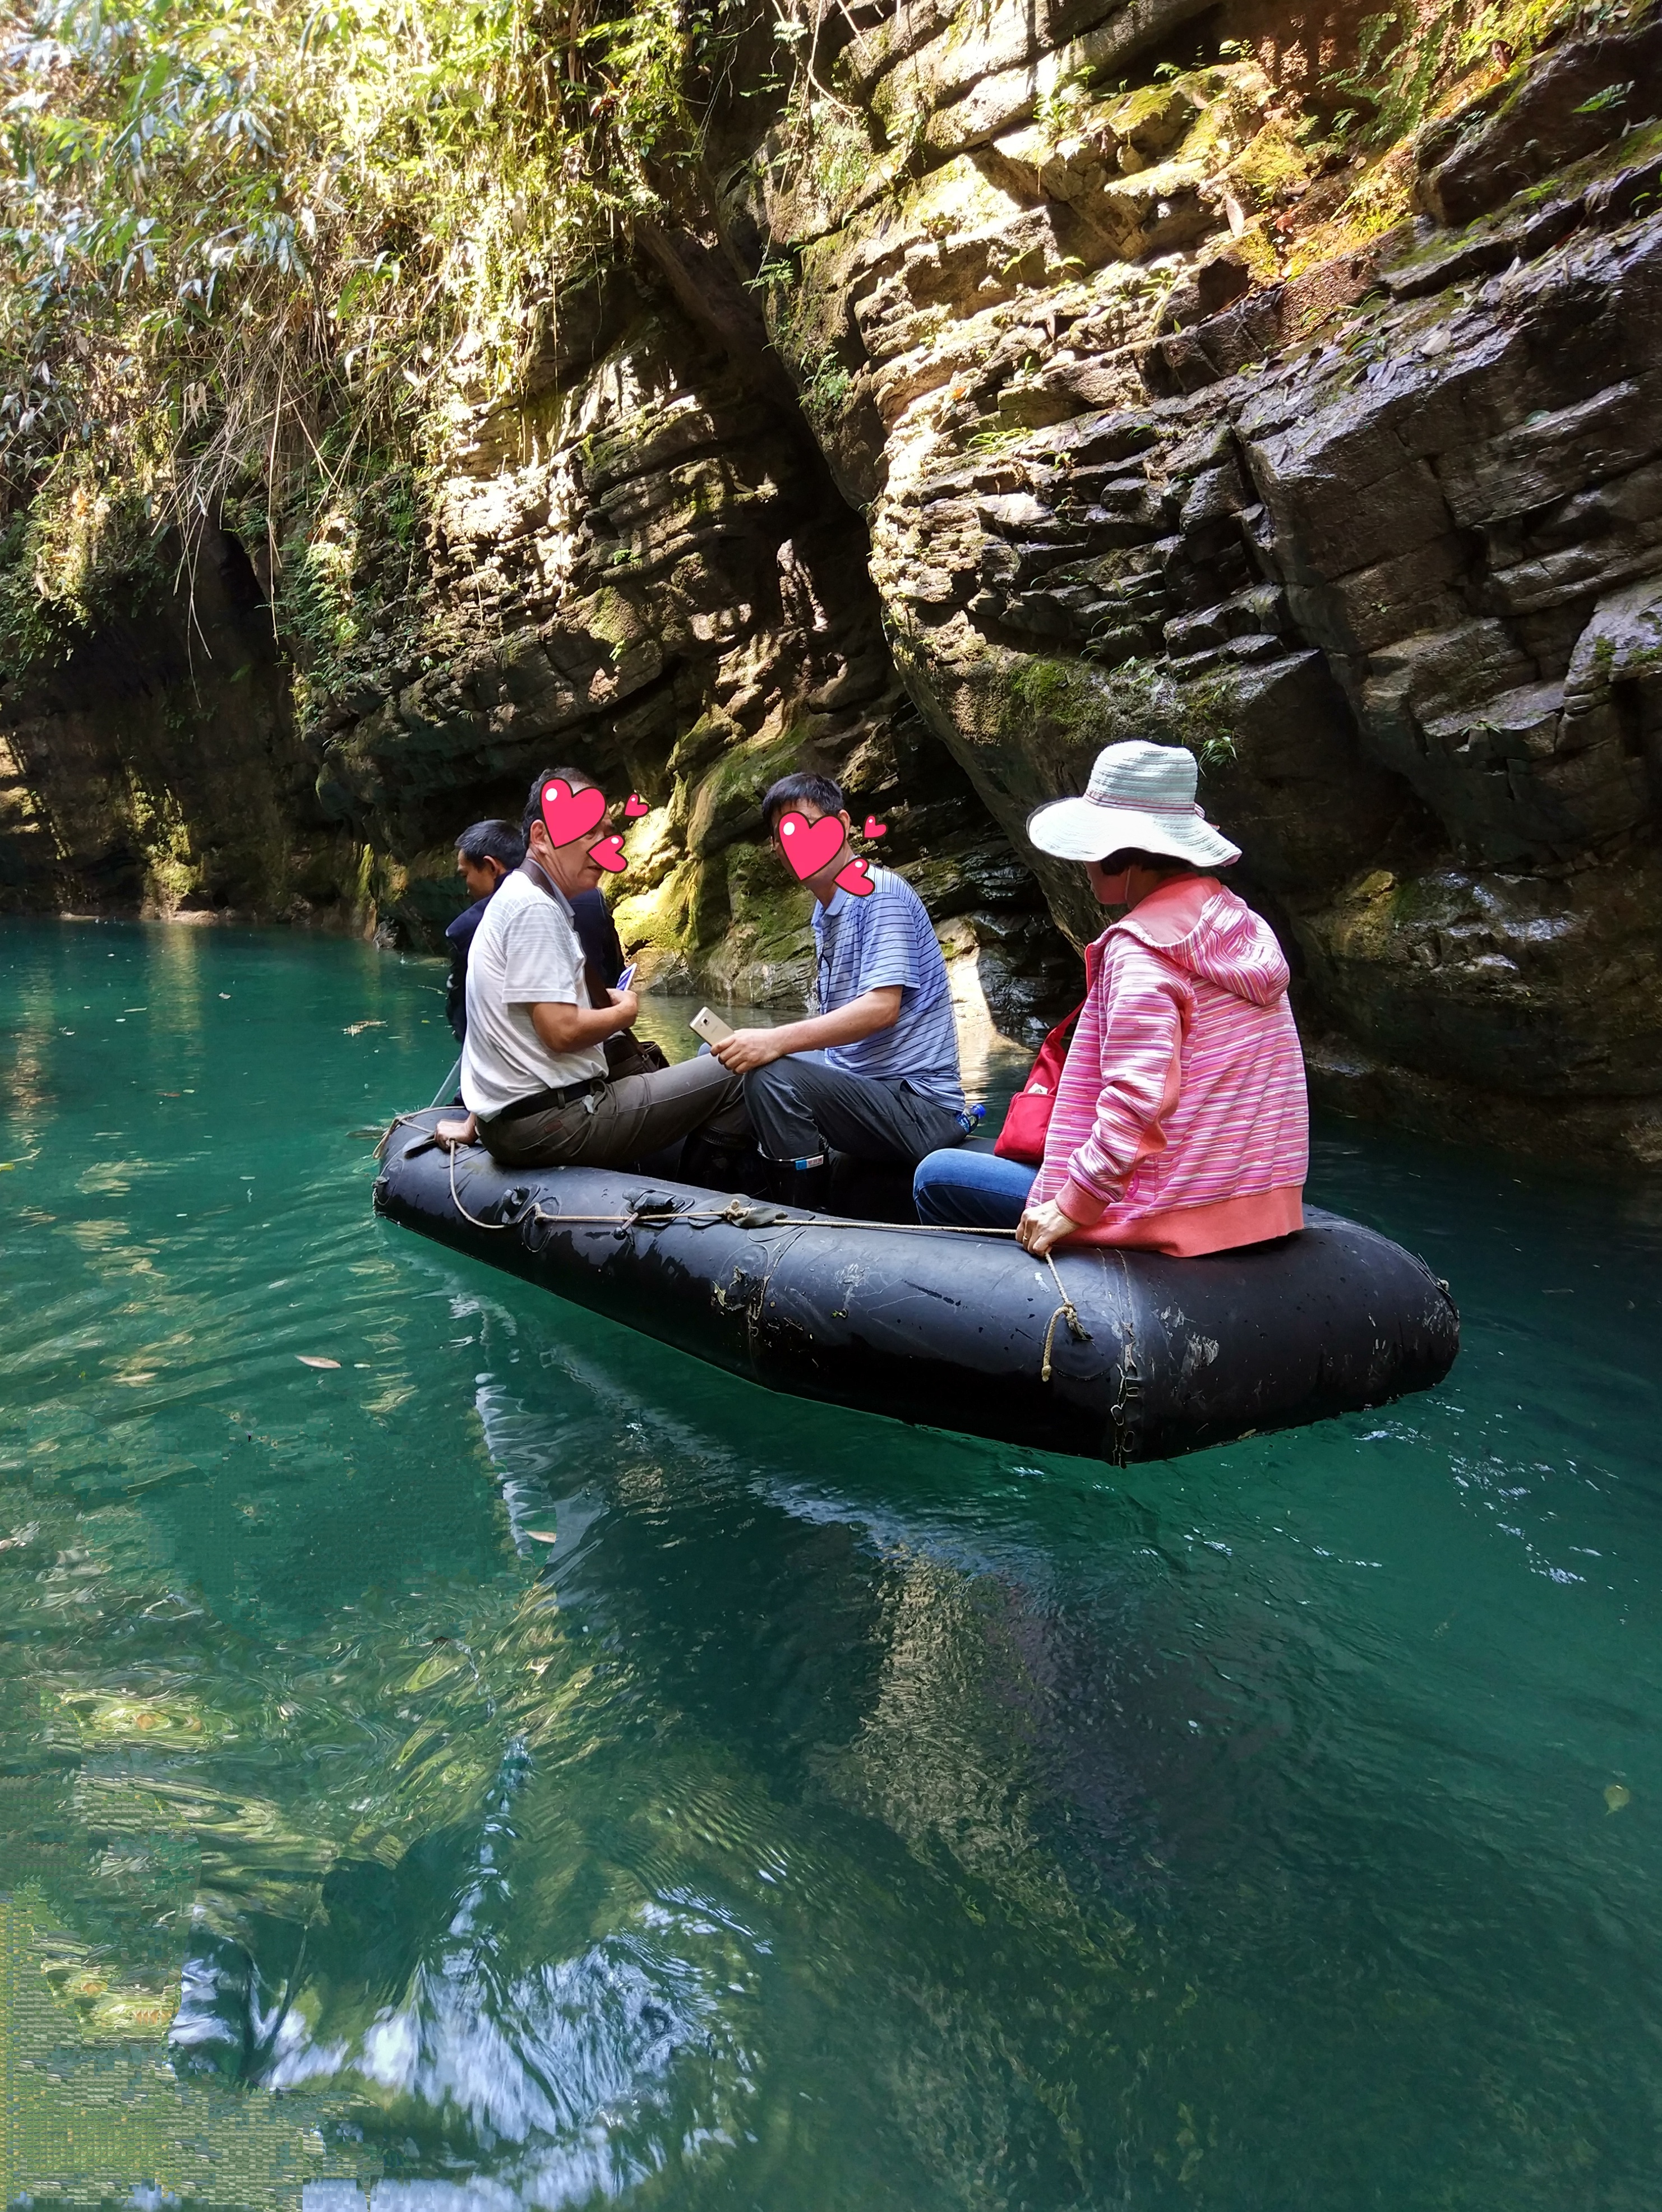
(155, 770)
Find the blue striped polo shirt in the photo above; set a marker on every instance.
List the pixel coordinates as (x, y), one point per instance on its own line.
(871, 944)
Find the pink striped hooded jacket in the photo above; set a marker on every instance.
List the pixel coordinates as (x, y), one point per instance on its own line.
(1180, 1122)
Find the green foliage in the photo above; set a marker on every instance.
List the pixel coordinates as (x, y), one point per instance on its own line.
(1613, 95)
(1057, 111)
(255, 254)
(824, 387)
(997, 436)
(64, 565)
(822, 379)
(1408, 58)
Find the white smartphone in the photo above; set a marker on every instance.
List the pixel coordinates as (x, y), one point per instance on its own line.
(628, 976)
(711, 1026)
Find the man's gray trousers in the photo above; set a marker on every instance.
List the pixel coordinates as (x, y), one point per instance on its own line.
(802, 1108)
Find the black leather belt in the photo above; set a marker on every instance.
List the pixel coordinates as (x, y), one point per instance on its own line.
(545, 1101)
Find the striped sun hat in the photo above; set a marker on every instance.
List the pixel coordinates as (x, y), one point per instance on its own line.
(1140, 797)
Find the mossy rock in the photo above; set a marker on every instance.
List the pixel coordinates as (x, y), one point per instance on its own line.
(1273, 163)
(664, 917)
(1154, 118)
(698, 748)
(773, 911)
(727, 803)
(1067, 703)
(941, 882)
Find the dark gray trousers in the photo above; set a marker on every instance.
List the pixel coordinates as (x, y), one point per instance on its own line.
(635, 1114)
(802, 1106)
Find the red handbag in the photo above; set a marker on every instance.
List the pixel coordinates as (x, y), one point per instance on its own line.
(1027, 1119)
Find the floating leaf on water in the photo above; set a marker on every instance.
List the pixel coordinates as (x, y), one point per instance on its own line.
(356, 1029)
(1617, 1795)
(127, 1718)
(542, 1535)
(125, 2013)
(312, 1359)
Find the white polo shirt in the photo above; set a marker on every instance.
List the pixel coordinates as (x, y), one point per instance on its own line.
(525, 952)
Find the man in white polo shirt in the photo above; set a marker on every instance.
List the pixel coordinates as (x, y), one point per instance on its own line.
(534, 1074)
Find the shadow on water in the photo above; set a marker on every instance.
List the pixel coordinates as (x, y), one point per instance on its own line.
(834, 1815)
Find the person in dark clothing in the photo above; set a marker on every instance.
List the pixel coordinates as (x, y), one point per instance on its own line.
(484, 854)
(598, 934)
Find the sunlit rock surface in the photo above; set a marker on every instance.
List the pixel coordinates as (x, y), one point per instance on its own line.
(1351, 482)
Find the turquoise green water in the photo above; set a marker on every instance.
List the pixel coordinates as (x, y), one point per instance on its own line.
(834, 1815)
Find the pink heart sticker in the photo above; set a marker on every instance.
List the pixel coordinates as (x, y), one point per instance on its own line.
(568, 814)
(855, 879)
(809, 846)
(635, 806)
(609, 854)
(874, 828)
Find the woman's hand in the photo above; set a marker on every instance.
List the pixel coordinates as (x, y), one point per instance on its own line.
(1042, 1226)
(747, 1049)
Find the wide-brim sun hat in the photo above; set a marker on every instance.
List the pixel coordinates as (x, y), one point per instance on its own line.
(1140, 798)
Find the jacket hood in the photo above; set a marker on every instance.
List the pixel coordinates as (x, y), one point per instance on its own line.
(1209, 933)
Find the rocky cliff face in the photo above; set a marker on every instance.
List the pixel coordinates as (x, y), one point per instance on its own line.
(661, 583)
(1036, 379)
(1348, 476)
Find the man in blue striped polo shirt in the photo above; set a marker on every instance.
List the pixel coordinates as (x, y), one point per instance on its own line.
(873, 1070)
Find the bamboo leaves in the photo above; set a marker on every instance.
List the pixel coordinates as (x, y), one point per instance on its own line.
(248, 255)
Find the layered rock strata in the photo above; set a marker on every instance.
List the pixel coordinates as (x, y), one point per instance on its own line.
(1376, 530)
(1035, 378)
(669, 593)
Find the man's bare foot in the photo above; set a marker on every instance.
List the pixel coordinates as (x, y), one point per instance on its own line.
(450, 1134)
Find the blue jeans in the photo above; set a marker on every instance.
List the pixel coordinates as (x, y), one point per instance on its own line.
(963, 1188)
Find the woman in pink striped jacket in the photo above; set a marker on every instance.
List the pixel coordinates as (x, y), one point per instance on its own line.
(1180, 1122)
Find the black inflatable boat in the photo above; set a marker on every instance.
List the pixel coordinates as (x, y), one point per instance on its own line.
(1149, 1358)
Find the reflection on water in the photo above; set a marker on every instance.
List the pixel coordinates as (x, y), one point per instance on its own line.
(833, 1814)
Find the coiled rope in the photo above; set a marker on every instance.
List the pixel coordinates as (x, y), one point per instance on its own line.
(735, 1211)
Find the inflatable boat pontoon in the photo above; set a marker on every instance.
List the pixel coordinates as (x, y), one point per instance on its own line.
(1134, 1358)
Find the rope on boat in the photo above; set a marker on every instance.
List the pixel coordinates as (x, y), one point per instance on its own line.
(735, 1211)
(392, 1128)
